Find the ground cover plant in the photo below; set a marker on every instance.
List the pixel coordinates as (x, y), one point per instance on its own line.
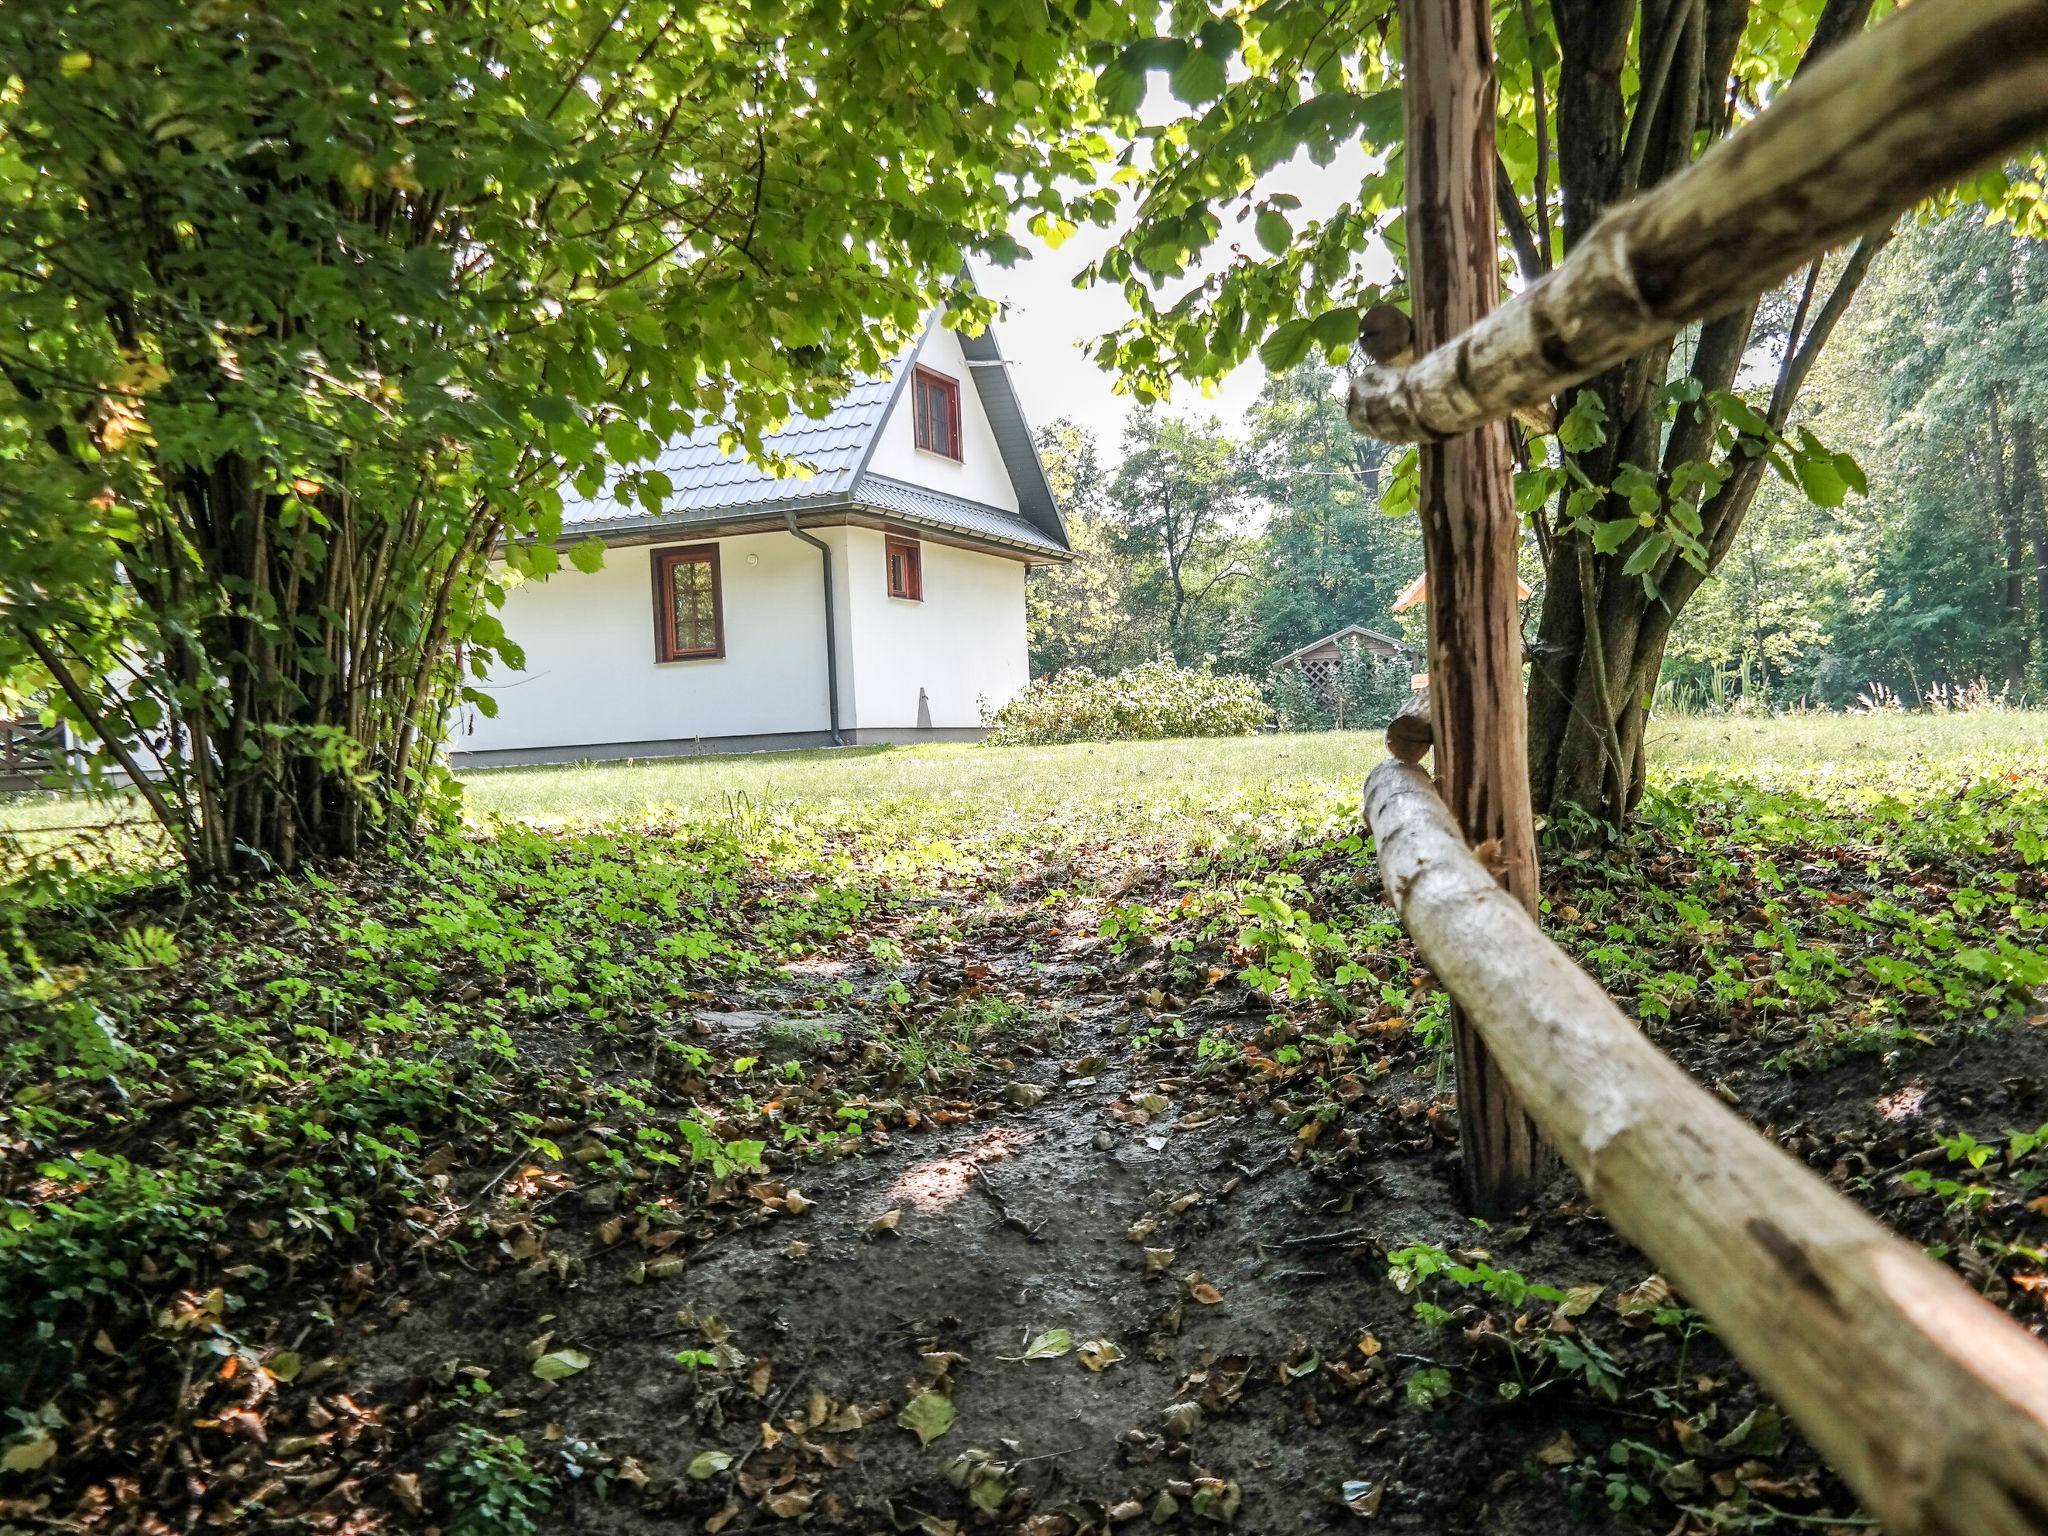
(1062, 1145)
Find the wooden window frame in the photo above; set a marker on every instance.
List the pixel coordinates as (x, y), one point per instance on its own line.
(894, 544)
(664, 562)
(923, 378)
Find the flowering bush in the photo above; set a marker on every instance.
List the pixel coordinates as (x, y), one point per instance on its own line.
(1143, 703)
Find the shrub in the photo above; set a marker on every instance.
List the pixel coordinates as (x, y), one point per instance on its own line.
(1144, 703)
(1364, 694)
(1297, 702)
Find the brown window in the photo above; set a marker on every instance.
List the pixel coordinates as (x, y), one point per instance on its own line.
(906, 567)
(689, 613)
(936, 401)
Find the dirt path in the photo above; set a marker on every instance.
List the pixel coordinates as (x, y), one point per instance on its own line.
(996, 1233)
(1220, 1343)
(1057, 1227)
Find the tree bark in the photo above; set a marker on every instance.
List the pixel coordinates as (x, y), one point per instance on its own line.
(1930, 1402)
(1471, 536)
(2026, 469)
(1879, 125)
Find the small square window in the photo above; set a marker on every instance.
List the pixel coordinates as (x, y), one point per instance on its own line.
(935, 402)
(689, 609)
(905, 559)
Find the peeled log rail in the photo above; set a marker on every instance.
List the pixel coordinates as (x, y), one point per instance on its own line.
(1908, 108)
(1930, 1402)
(1410, 734)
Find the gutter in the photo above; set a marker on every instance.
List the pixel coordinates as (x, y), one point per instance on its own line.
(831, 628)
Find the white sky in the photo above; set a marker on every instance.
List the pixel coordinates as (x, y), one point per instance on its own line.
(1048, 319)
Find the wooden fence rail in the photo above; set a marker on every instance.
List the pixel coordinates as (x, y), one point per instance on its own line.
(1880, 123)
(1930, 1402)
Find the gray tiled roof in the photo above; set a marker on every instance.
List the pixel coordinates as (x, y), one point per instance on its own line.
(924, 505)
(709, 481)
(710, 485)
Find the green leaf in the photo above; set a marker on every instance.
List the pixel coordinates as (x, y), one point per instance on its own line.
(1852, 473)
(1741, 415)
(1121, 89)
(1049, 1345)
(1287, 346)
(1199, 77)
(1274, 232)
(1336, 329)
(558, 1363)
(707, 1464)
(1585, 424)
(1382, 117)
(1647, 554)
(1611, 535)
(927, 1416)
(1534, 488)
(1820, 479)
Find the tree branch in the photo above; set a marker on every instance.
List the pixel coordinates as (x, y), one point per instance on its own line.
(1537, 88)
(90, 713)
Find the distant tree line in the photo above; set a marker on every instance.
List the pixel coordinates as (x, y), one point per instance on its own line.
(1201, 544)
(1938, 387)
(1242, 548)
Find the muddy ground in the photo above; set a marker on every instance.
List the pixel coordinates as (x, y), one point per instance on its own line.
(1172, 1215)
(1142, 1249)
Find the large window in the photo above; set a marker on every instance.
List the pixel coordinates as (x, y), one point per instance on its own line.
(906, 567)
(689, 614)
(936, 401)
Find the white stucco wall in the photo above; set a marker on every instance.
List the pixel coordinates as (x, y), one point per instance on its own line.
(979, 474)
(591, 677)
(964, 642)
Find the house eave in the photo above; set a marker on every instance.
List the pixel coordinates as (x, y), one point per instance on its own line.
(810, 512)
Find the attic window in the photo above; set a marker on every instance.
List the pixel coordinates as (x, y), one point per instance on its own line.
(689, 610)
(935, 401)
(906, 567)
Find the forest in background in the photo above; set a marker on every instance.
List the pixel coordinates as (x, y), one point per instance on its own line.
(1203, 544)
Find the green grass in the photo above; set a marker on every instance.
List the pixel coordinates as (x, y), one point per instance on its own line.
(1161, 783)
(1802, 741)
(1113, 778)
(953, 778)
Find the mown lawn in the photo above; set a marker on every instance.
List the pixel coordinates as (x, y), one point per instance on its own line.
(1106, 779)
(954, 1138)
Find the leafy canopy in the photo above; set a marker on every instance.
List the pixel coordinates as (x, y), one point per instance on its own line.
(309, 305)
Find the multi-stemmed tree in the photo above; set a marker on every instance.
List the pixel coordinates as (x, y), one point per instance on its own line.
(1656, 462)
(308, 311)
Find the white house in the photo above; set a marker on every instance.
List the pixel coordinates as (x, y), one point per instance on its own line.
(896, 569)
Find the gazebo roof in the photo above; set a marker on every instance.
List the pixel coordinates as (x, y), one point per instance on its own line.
(1418, 592)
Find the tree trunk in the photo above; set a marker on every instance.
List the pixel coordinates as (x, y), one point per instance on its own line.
(300, 677)
(1602, 635)
(1471, 534)
(2026, 467)
(2008, 508)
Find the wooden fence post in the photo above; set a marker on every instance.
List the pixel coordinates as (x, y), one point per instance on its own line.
(1471, 536)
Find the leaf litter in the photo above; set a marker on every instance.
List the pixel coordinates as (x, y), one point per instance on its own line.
(1233, 1186)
